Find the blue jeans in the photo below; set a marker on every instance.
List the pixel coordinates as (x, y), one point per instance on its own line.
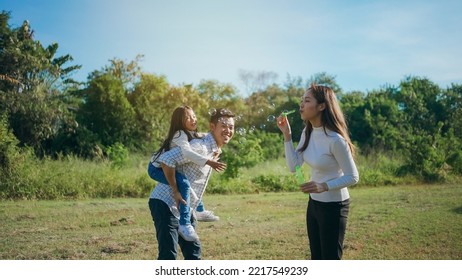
(157, 174)
(168, 239)
(200, 206)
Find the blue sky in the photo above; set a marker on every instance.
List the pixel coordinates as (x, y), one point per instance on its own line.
(365, 44)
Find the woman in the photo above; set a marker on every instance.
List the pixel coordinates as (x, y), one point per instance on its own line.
(326, 147)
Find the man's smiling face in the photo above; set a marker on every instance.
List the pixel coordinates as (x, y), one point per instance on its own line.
(223, 130)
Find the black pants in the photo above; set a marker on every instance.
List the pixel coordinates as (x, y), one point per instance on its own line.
(326, 224)
(168, 239)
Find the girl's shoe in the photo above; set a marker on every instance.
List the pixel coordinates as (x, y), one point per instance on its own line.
(206, 216)
(188, 233)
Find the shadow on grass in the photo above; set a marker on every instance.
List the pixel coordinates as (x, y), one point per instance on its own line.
(458, 210)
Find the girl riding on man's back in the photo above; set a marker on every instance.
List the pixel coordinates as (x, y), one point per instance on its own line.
(183, 128)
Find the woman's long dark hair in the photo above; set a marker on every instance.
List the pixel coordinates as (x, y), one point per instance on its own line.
(177, 123)
(332, 116)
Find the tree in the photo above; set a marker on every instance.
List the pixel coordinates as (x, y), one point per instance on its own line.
(213, 94)
(36, 117)
(26, 64)
(420, 101)
(32, 81)
(129, 73)
(452, 103)
(452, 112)
(106, 112)
(428, 147)
(150, 101)
(374, 120)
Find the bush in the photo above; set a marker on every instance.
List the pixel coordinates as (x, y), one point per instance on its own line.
(275, 183)
(426, 156)
(455, 161)
(272, 144)
(12, 163)
(9, 150)
(118, 155)
(250, 150)
(246, 153)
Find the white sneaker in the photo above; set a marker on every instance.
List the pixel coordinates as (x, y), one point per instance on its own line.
(188, 233)
(206, 216)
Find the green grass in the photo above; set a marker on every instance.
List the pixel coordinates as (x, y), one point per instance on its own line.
(391, 222)
(75, 178)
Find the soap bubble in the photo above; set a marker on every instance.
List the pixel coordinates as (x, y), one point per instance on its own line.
(241, 131)
(225, 121)
(252, 129)
(260, 111)
(262, 126)
(238, 118)
(271, 118)
(212, 111)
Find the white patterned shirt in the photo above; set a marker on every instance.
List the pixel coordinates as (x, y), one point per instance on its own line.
(197, 175)
(180, 139)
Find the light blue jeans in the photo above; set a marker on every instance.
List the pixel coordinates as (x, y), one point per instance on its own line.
(200, 206)
(157, 174)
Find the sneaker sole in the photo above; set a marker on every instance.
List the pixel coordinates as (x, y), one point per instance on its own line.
(187, 238)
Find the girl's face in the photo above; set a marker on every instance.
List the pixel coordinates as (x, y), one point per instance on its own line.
(190, 120)
(310, 109)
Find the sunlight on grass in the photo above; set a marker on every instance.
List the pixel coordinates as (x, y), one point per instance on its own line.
(395, 222)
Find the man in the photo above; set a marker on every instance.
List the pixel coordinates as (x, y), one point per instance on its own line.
(164, 199)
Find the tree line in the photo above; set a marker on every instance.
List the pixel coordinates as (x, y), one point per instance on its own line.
(122, 108)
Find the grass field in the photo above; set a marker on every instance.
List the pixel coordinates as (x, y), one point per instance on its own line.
(393, 222)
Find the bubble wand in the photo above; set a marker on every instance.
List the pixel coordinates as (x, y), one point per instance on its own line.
(287, 113)
(299, 175)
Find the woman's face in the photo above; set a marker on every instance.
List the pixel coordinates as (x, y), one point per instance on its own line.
(190, 120)
(310, 109)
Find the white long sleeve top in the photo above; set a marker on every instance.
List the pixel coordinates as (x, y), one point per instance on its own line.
(180, 139)
(330, 160)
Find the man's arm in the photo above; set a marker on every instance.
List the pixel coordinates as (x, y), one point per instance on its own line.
(170, 160)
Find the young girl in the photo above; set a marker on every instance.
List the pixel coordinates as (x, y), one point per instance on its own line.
(326, 147)
(183, 128)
